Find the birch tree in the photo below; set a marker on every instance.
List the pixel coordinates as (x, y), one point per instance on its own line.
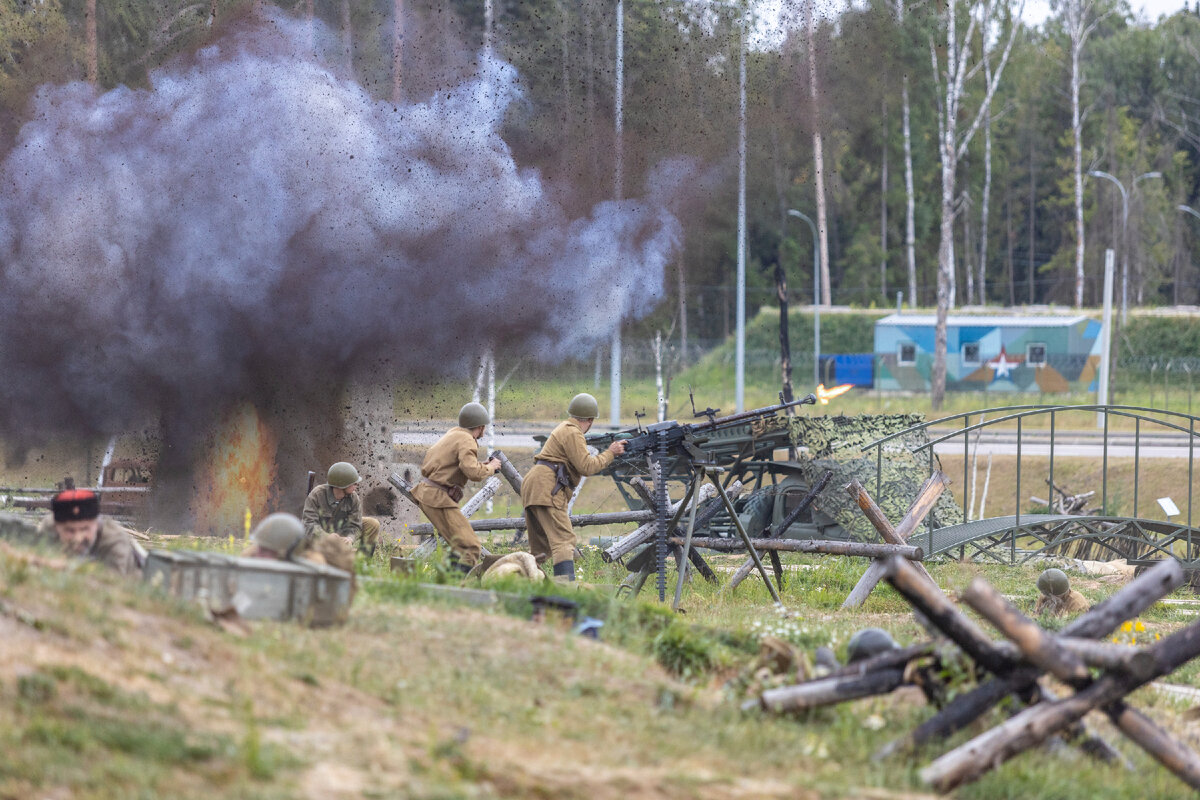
(910, 230)
(953, 67)
(818, 156)
(1079, 20)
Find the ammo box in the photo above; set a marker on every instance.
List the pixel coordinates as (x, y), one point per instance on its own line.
(314, 594)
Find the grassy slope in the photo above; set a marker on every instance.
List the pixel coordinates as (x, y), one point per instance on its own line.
(108, 690)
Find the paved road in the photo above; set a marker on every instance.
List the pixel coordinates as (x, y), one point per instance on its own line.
(1081, 444)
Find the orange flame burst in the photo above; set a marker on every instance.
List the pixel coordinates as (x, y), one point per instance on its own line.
(825, 395)
(237, 475)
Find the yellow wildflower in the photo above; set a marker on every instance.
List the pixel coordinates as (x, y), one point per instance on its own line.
(1126, 626)
(1139, 627)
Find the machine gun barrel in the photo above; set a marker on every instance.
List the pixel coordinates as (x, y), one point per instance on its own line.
(755, 413)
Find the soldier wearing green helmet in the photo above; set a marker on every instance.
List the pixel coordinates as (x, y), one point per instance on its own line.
(336, 507)
(1056, 595)
(280, 536)
(450, 463)
(548, 486)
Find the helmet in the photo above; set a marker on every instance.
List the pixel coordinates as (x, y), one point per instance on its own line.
(343, 474)
(1053, 582)
(868, 642)
(583, 406)
(472, 415)
(279, 532)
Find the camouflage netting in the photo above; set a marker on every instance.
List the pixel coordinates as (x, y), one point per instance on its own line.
(835, 443)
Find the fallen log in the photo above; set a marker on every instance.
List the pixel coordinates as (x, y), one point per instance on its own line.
(828, 547)
(518, 523)
(826, 691)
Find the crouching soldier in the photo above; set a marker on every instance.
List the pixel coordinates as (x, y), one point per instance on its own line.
(281, 537)
(450, 463)
(1057, 597)
(556, 472)
(75, 522)
(336, 507)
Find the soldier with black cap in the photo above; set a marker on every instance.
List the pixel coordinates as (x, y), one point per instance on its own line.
(76, 523)
(557, 470)
(450, 463)
(336, 507)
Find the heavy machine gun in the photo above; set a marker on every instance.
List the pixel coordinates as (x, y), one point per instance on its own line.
(666, 446)
(673, 438)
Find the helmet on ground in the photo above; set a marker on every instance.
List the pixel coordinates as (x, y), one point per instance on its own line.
(343, 474)
(279, 532)
(472, 415)
(583, 406)
(1053, 581)
(869, 642)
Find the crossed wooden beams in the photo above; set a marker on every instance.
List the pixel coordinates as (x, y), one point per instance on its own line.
(1099, 674)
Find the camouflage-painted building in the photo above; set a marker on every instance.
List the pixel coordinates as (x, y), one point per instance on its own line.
(989, 353)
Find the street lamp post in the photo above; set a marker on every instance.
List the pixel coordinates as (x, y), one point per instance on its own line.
(1124, 232)
(816, 297)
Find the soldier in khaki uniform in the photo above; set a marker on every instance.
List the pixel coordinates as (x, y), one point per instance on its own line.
(280, 536)
(336, 507)
(556, 472)
(76, 524)
(1057, 597)
(447, 467)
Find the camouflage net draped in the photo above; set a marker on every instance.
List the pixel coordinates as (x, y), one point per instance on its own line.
(835, 443)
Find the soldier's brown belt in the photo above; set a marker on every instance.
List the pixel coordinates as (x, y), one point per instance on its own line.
(563, 481)
(455, 492)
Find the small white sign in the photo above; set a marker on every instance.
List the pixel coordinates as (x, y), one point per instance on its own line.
(1168, 506)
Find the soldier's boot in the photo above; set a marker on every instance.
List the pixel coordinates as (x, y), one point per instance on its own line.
(457, 565)
(565, 569)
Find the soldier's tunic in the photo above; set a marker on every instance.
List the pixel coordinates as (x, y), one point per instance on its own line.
(546, 516)
(450, 463)
(113, 546)
(324, 513)
(1070, 603)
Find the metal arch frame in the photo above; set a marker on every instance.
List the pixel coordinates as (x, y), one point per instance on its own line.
(1147, 538)
(1113, 526)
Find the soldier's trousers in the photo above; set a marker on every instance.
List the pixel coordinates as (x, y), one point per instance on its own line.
(370, 532)
(550, 532)
(453, 526)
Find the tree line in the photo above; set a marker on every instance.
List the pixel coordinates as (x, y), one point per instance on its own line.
(945, 150)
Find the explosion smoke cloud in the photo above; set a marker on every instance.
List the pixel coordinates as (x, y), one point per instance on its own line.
(252, 219)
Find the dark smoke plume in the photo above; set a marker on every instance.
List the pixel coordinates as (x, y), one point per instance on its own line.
(254, 226)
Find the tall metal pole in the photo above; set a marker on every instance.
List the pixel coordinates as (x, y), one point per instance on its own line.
(740, 368)
(618, 194)
(816, 297)
(1106, 342)
(1124, 232)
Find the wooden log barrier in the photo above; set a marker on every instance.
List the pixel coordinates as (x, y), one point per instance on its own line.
(1048, 653)
(1099, 621)
(509, 472)
(837, 548)
(1034, 724)
(646, 532)
(927, 497)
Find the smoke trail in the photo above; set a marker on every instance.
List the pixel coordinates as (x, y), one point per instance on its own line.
(252, 225)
